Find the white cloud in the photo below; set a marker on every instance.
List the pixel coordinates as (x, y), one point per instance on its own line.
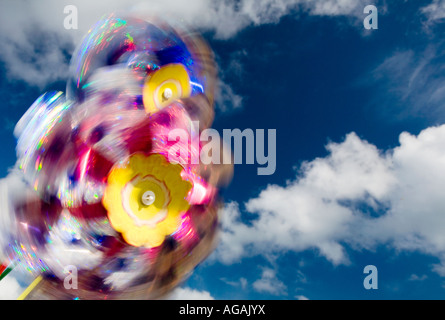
(307, 213)
(10, 289)
(355, 196)
(189, 294)
(269, 283)
(300, 297)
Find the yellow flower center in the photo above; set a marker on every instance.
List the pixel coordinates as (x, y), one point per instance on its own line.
(145, 198)
(165, 85)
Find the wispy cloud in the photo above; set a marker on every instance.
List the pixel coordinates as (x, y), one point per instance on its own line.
(415, 277)
(412, 84)
(226, 99)
(241, 283)
(269, 283)
(435, 11)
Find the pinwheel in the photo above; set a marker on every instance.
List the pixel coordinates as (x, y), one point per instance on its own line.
(98, 190)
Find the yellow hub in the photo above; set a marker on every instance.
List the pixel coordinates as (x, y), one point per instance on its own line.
(145, 198)
(165, 85)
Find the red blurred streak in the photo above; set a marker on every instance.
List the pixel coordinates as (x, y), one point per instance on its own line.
(2, 268)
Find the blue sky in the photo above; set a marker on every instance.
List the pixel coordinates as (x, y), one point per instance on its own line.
(349, 189)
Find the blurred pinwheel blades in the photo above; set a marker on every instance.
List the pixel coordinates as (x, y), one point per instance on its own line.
(99, 197)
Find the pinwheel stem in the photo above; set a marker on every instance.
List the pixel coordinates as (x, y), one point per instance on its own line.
(30, 288)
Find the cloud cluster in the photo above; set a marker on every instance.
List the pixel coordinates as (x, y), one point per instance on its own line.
(35, 44)
(356, 196)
